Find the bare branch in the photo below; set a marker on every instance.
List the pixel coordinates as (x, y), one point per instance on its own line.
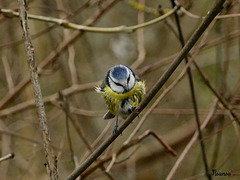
(55, 53)
(191, 142)
(7, 157)
(193, 95)
(202, 17)
(114, 156)
(140, 40)
(221, 99)
(196, 35)
(147, 133)
(50, 158)
(67, 24)
(7, 73)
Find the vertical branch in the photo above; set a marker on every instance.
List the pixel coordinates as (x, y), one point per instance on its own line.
(191, 142)
(193, 96)
(140, 39)
(71, 50)
(55, 53)
(71, 64)
(219, 123)
(225, 64)
(8, 74)
(65, 107)
(50, 158)
(237, 25)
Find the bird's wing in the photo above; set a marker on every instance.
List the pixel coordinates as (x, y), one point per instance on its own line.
(103, 84)
(137, 78)
(108, 115)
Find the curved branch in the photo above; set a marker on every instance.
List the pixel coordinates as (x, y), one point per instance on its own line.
(67, 24)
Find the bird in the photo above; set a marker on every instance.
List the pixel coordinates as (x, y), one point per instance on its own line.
(122, 92)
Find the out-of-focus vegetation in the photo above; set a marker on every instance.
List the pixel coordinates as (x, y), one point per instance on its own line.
(72, 63)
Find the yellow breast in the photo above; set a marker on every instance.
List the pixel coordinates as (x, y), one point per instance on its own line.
(113, 100)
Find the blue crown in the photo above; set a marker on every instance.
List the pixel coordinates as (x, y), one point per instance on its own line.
(119, 73)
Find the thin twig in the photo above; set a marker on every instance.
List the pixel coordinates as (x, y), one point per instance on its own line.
(216, 93)
(6, 142)
(50, 158)
(78, 129)
(98, 139)
(191, 142)
(102, 134)
(10, 133)
(67, 24)
(217, 142)
(142, 137)
(71, 50)
(52, 98)
(55, 53)
(65, 108)
(140, 40)
(196, 35)
(8, 73)
(114, 156)
(169, 59)
(193, 95)
(7, 157)
(48, 29)
(167, 90)
(129, 156)
(123, 148)
(141, 7)
(169, 23)
(71, 64)
(155, 104)
(77, 88)
(202, 17)
(148, 133)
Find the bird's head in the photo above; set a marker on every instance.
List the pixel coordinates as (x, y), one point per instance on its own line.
(120, 78)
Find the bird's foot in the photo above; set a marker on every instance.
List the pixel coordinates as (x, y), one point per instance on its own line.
(115, 130)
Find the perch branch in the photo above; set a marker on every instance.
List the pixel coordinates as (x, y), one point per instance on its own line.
(196, 35)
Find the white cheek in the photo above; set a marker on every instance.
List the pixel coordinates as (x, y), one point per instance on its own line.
(131, 82)
(114, 87)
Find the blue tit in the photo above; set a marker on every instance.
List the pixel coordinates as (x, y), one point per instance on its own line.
(122, 92)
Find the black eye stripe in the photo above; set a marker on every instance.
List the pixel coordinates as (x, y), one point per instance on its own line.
(118, 84)
(115, 82)
(128, 79)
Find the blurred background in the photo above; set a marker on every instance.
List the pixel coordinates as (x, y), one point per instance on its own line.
(71, 63)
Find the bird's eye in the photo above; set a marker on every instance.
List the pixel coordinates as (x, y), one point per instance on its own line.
(128, 79)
